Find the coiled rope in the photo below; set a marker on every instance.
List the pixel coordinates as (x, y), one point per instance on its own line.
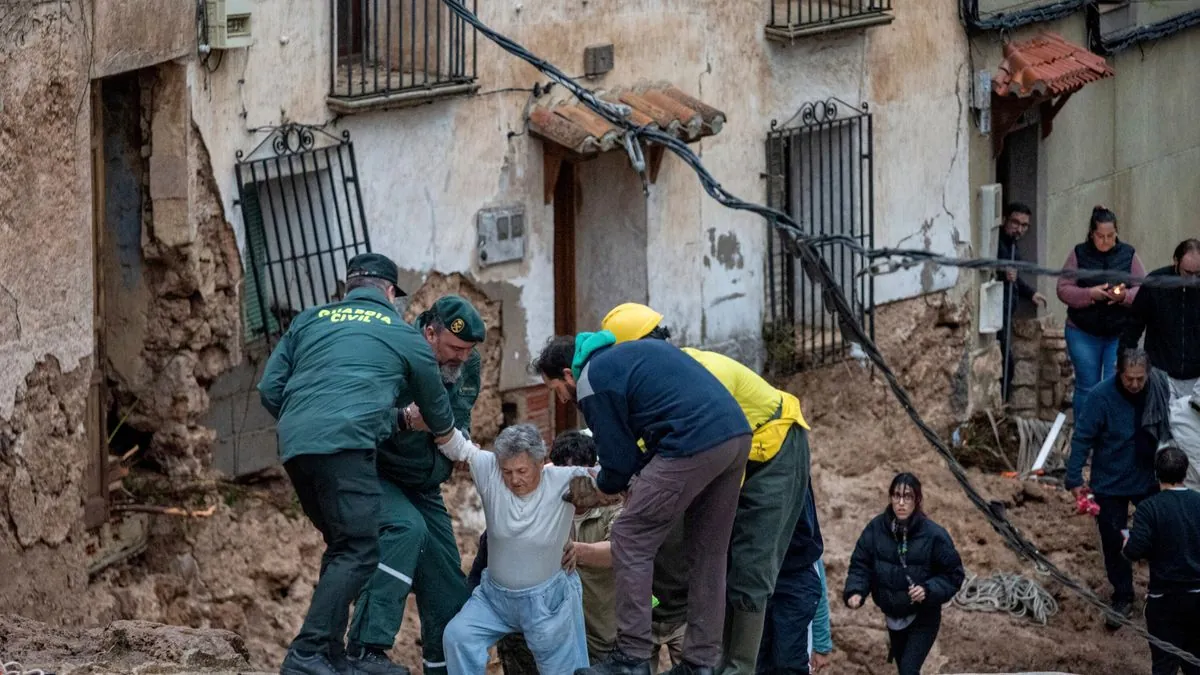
(15, 668)
(1013, 593)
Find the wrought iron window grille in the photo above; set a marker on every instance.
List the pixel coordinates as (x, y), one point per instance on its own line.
(405, 50)
(302, 208)
(820, 172)
(791, 19)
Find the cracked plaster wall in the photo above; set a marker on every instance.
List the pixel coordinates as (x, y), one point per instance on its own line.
(426, 171)
(45, 302)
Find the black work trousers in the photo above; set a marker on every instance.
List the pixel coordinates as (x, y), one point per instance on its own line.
(340, 495)
(1114, 517)
(787, 631)
(1174, 618)
(910, 646)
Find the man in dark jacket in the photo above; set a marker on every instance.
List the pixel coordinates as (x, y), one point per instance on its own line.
(1170, 318)
(332, 382)
(1110, 430)
(697, 442)
(1017, 218)
(417, 549)
(1166, 530)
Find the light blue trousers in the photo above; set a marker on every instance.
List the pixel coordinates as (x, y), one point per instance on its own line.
(550, 615)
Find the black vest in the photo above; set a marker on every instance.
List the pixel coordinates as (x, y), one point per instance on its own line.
(1101, 319)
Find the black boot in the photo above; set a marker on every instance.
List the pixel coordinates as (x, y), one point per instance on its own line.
(308, 664)
(1122, 608)
(618, 664)
(372, 661)
(685, 668)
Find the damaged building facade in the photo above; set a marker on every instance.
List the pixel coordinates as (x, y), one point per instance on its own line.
(174, 195)
(1076, 104)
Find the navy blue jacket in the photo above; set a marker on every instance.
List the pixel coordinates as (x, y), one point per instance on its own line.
(1107, 430)
(653, 391)
(807, 545)
(931, 561)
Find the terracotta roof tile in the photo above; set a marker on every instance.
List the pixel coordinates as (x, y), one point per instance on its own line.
(664, 107)
(1047, 65)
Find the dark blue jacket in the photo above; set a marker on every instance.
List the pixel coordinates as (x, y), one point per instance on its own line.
(1107, 430)
(931, 561)
(807, 545)
(653, 391)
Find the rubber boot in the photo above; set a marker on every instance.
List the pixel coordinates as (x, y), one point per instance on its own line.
(743, 635)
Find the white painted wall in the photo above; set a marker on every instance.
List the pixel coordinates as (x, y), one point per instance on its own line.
(427, 171)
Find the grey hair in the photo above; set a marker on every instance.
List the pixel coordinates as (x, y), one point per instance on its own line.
(520, 439)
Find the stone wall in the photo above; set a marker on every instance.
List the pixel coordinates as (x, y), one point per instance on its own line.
(1043, 379)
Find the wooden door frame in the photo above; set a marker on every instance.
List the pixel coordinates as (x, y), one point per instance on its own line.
(566, 201)
(96, 504)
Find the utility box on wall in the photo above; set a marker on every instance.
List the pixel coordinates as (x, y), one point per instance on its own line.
(501, 235)
(228, 24)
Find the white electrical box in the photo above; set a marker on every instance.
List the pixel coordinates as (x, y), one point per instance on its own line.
(501, 235)
(228, 23)
(991, 213)
(991, 307)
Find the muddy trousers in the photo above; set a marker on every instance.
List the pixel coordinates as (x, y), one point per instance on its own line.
(417, 551)
(772, 499)
(1175, 618)
(704, 486)
(911, 645)
(340, 495)
(1114, 517)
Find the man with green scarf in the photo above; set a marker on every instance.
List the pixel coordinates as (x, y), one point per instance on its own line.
(697, 442)
(417, 549)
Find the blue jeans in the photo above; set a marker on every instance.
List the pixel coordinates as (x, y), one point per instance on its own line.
(550, 615)
(1094, 359)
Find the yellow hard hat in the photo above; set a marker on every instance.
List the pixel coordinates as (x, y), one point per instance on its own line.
(630, 321)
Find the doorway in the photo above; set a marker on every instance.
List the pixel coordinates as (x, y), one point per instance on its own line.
(566, 192)
(1017, 172)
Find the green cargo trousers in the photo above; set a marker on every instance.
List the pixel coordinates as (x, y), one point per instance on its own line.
(772, 500)
(417, 551)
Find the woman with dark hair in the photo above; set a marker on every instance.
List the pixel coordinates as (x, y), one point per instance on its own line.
(909, 566)
(1097, 311)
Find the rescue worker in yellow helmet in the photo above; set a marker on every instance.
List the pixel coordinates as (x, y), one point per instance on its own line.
(773, 494)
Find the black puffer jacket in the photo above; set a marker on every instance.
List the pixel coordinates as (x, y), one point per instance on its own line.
(1171, 319)
(877, 567)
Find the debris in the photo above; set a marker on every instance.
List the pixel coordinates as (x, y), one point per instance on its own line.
(166, 510)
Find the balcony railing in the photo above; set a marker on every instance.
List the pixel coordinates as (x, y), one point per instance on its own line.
(791, 19)
(398, 52)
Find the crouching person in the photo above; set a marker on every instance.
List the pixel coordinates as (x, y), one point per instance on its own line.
(524, 588)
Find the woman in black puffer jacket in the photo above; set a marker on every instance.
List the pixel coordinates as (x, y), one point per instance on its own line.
(909, 565)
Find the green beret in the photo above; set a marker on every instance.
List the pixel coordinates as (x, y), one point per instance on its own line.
(459, 317)
(374, 265)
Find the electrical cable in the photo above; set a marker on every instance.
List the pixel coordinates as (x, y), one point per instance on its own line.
(819, 272)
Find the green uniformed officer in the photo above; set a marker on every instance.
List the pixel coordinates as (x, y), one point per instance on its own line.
(417, 549)
(332, 383)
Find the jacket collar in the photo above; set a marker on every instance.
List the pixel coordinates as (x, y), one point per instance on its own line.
(371, 295)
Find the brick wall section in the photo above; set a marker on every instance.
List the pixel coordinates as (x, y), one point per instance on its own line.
(534, 405)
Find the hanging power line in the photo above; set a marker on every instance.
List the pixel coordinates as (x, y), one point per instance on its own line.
(818, 271)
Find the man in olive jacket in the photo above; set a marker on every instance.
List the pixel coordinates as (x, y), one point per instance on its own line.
(417, 549)
(333, 383)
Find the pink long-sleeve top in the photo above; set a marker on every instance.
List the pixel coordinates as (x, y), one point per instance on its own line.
(1074, 295)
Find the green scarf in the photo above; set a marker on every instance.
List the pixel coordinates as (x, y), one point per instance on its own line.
(587, 344)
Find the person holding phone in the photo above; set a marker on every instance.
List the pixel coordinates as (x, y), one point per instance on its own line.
(1097, 311)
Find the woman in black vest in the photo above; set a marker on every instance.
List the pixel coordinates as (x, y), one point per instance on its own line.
(909, 566)
(1097, 311)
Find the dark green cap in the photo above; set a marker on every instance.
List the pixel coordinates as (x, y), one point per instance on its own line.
(374, 265)
(459, 317)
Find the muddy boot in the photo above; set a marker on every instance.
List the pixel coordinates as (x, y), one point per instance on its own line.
(296, 663)
(1122, 608)
(618, 664)
(369, 661)
(743, 635)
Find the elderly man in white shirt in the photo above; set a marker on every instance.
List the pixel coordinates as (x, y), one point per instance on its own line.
(524, 588)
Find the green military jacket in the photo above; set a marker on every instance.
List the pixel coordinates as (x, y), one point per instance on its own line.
(411, 459)
(334, 379)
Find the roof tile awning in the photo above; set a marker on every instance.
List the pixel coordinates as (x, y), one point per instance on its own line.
(1047, 65)
(1036, 73)
(576, 129)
